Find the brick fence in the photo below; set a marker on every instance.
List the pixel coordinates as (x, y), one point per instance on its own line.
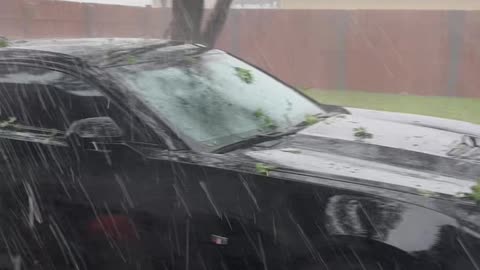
(394, 51)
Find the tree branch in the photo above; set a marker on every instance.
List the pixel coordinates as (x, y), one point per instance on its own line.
(187, 20)
(216, 22)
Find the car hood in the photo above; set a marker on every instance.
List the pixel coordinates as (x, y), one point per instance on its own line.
(425, 153)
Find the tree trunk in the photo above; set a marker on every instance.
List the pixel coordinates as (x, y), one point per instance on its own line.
(216, 21)
(187, 20)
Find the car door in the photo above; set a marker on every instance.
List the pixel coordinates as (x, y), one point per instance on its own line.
(65, 206)
(34, 155)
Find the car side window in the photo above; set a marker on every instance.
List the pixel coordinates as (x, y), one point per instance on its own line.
(40, 100)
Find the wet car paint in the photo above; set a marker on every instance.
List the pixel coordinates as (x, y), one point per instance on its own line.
(159, 205)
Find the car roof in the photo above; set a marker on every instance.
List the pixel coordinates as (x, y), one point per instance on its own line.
(105, 51)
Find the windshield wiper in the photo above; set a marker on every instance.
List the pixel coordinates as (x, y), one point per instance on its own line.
(274, 135)
(256, 139)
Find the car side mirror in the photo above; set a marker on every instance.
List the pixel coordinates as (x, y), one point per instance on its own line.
(94, 133)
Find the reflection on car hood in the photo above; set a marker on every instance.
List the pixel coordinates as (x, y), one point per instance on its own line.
(421, 134)
(426, 153)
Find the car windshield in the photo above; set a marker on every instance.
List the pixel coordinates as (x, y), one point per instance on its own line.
(215, 100)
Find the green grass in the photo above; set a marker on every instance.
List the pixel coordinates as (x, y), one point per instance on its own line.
(465, 109)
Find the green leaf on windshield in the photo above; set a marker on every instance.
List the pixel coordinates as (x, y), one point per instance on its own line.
(267, 121)
(259, 113)
(244, 74)
(310, 120)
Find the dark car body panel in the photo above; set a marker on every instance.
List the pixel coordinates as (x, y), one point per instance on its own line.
(159, 204)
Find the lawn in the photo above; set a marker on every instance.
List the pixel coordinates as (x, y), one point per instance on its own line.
(466, 109)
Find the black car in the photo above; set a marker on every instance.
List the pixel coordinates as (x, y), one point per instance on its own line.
(150, 154)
